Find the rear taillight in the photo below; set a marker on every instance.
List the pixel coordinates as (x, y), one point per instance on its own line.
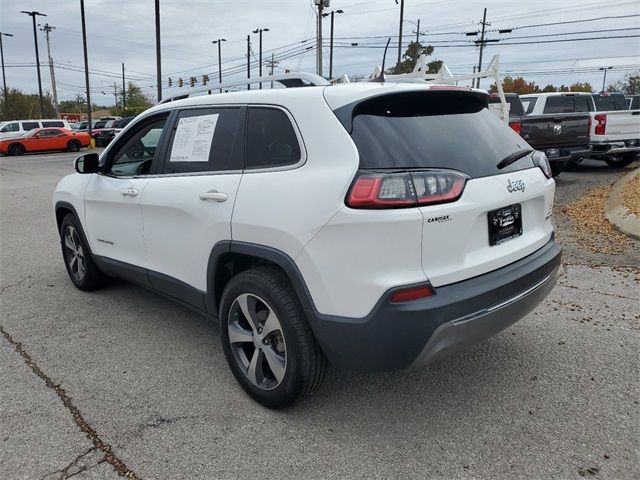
(405, 189)
(516, 127)
(411, 293)
(601, 127)
(541, 160)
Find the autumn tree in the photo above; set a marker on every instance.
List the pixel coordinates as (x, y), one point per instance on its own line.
(629, 86)
(516, 85)
(410, 57)
(581, 87)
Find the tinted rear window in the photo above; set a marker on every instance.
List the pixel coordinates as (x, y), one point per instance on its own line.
(52, 124)
(606, 103)
(567, 104)
(271, 139)
(443, 129)
(515, 105)
(529, 104)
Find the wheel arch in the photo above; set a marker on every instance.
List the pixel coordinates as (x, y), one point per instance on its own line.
(62, 209)
(228, 258)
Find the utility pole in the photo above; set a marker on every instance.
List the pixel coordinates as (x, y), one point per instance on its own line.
(158, 62)
(271, 64)
(115, 95)
(260, 30)
(604, 80)
(320, 4)
(86, 67)
(484, 24)
(333, 12)
(46, 28)
(248, 61)
(219, 42)
(124, 91)
(4, 78)
(400, 33)
(35, 39)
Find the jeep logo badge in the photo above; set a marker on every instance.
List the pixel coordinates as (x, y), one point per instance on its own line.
(515, 186)
(557, 129)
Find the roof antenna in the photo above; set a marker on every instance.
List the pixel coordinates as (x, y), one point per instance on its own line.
(380, 78)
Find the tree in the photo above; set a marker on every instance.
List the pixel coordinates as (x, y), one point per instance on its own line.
(137, 99)
(516, 85)
(25, 106)
(581, 87)
(410, 57)
(629, 86)
(549, 88)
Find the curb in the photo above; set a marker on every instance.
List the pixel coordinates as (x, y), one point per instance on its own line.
(615, 211)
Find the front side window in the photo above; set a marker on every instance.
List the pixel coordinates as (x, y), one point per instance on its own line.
(206, 140)
(11, 127)
(271, 139)
(135, 156)
(30, 125)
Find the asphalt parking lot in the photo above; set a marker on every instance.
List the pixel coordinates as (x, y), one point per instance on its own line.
(555, 396)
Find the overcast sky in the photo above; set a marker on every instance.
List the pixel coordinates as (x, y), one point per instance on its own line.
(124, 31)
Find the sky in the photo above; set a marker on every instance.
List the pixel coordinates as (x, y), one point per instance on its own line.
(124, 31)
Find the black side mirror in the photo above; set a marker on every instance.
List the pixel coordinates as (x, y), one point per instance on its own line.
(87, 163)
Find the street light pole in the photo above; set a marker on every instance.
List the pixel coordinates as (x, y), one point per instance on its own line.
(400, 33)
(124, 92)
(86, 67)
(4, 78)
(604, 80)
(35, 39)
(248, 60)
(333, 12)
(158, 56)
(219, 42)
(259, 31)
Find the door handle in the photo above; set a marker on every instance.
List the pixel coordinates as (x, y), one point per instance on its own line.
(130, 192)
(214, 195)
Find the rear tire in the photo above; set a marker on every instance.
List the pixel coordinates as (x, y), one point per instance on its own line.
(16, 149)
(74, 146)
(267, 341)
(622, 161)
(82, 270)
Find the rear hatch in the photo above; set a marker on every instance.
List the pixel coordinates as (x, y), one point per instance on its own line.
(447, 146)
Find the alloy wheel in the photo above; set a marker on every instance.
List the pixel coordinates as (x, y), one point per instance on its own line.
(74, 253)
(257, 341)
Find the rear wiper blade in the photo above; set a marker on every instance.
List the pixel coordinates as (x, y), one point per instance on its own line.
(513, 157)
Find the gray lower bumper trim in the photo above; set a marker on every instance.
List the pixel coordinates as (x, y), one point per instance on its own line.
(460, 333)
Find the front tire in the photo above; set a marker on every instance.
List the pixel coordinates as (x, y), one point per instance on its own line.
(74, 146)
(267, 341)
(82, 270)
(622, 161)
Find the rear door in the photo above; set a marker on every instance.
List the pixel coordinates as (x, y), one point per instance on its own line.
(428, 133)
(187, 205)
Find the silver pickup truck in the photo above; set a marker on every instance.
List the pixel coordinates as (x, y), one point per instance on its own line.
(614, 131)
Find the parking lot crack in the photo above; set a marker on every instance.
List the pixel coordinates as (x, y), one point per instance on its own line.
(98, 444)
(615, 295)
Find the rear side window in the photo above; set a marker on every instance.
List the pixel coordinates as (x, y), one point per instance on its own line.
(30, 125)
(53, 124)
(452, 130)
(271, 139)
(206, 140)
(529, 104)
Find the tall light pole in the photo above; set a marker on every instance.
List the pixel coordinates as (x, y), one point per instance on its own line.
(86, 67)
(259, 31)
(248, 60)
(124, 92)
(400, 33)
(219, 42)
(158, 62)
(33, 15)
(604, 80)
(333, 12)
(4, 78)
(46, 28)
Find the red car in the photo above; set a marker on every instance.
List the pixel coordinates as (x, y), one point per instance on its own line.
(45, 139)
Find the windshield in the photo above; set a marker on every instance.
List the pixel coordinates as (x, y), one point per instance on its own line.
(443, 129)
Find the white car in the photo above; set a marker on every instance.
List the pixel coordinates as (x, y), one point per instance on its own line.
(370, 226)
(15, 128)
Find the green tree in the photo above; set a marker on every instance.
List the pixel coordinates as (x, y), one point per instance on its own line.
(549, 88)
(629, 86)
(136, 99)
(410, 57)
(24, 106)
(581, 87)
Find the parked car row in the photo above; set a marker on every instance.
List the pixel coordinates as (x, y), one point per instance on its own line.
(572, 126)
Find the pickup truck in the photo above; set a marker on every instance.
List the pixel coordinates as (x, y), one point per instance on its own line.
(562, 136)
(615, 130)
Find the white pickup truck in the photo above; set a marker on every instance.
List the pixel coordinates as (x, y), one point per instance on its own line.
(614, 131)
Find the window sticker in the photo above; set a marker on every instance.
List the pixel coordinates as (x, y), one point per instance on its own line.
(193, 138)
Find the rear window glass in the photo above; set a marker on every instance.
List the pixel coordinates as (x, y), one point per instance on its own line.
(451, 130)
(609, 102)
(567, 104)
(52, 124)
(515, 105)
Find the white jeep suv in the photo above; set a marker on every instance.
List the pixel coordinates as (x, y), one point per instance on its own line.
(371, 226)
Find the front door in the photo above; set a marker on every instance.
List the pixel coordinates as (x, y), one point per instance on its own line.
(112, 199)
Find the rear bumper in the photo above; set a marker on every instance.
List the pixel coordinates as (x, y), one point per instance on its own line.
(567, 153)
(616, 148)
(400, 335)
